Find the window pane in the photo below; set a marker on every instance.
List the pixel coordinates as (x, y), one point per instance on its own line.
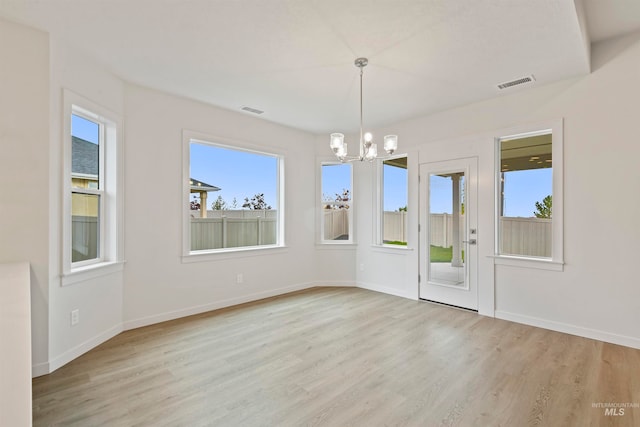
(85, 226)
(85, 153)
(526, 196)
(336, 201)
(234, 198)
(394, 197)
(446, 228)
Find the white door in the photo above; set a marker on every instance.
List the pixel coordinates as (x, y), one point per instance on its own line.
(448, 232)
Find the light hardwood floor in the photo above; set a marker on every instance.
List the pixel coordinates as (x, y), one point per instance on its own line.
(338, 357)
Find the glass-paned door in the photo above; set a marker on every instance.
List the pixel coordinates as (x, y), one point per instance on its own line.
(449, 232)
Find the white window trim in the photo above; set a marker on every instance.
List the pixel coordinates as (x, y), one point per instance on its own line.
(556, 261)
(111, 195)
(378, 207)
(188, 256)
(319, 210)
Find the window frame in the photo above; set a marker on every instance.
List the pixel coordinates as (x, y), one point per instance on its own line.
(110, 209)
(379, 204)
(99, 192)
(189, 137)
(556, 261)
(320, 208)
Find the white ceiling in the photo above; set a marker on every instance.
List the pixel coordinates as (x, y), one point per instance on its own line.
(294, 59)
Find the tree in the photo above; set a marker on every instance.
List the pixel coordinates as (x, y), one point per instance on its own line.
(402, 209)
(234, 203)
(256, 203)
(195, 204)
(543, 210)
(330, 202)
(343, 197)
(219, 204)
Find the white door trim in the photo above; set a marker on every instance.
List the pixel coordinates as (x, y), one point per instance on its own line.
(480, 145)
(463, 296)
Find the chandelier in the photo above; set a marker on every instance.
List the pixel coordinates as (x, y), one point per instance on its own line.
(368, 149)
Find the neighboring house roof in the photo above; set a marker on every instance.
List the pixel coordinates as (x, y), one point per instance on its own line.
(84, 158)
(198, 186)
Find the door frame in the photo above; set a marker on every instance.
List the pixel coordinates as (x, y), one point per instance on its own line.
(482, 146)
(467, 296)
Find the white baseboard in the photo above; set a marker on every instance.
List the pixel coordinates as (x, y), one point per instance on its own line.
(570, 329)
(40, 369)
(171, 315)
(335, 284)
(75, 352)
(385, 290)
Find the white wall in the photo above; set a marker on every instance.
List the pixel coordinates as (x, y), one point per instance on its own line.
(99, 300)
(597, 294)
(24, 165)
(391, 270)
(158, 284)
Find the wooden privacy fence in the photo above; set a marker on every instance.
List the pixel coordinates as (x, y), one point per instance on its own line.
(336, 223)
(519, 236)
(84, 238)
(394, 227)
(525, 236)
(228, 229)
(240, 213)
(441, 229)
(225, 232)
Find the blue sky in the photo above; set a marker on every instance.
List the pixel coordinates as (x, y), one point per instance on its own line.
(241, 174)
(335, 179)
(522, 190)
(396, 192)
(84, 129)
(440, 197)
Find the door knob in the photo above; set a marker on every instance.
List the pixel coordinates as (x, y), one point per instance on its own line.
(470, 241)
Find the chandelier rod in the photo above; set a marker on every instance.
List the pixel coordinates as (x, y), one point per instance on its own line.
(362, 153)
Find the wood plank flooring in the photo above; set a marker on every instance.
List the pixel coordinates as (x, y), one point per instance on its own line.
(340, 357)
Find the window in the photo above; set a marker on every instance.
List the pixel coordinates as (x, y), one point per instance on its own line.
(87, 188)
(335, 212)
(234, 198)
(529, 195)
(92, 175)
(393, 202)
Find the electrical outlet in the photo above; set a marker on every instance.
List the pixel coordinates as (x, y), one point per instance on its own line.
(239, 278)
(75, 317)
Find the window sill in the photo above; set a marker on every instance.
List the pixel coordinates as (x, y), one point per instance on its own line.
(89, 272)
(526, 262)
(350, 246)
(391, 249)
(230, 253)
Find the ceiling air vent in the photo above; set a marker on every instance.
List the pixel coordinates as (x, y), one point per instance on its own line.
(517, 82)
(252, 110)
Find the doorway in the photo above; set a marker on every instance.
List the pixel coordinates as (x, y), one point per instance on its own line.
(448, 232)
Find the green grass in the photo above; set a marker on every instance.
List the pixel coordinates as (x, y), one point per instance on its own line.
(395, 242)
(440, 254)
